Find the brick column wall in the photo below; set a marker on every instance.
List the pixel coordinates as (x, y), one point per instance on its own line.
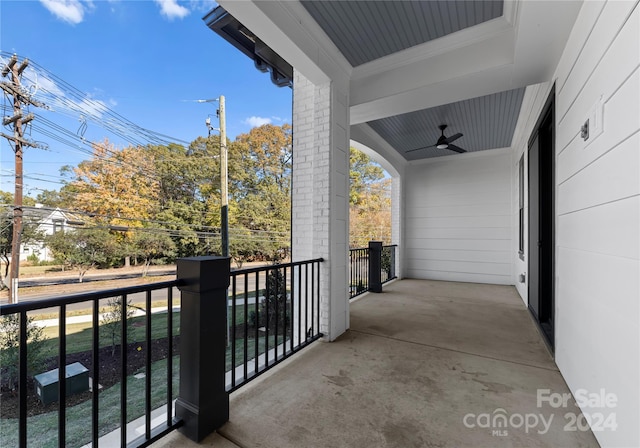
(320, 193)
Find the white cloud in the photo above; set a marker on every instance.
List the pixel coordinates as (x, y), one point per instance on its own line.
(171, 9)
(71, 11)
(255, 122)
(202, 5)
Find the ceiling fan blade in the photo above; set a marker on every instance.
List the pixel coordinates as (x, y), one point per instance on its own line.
(454, 137)
(456, 149)
(417, 149)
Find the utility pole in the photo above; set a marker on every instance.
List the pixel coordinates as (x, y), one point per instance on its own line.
(224, 180)
(14, 90)
(224, 176)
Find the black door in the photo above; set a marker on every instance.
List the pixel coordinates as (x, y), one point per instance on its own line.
(541, 221)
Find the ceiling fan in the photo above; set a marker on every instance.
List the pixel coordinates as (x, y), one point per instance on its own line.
(444, 142)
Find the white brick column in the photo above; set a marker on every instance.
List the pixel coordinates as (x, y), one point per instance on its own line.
(320, 193)
(397, 211)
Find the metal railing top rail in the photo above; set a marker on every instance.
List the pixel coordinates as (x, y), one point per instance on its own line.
(366, 248)
(275, 266)
(33, 305)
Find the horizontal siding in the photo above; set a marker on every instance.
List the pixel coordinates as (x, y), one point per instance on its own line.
(611, 229)
(458, 244)
(605, 81)
(598, 213)
(458, 219)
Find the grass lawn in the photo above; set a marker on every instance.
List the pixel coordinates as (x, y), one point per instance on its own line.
(80, 335)
(42, 430)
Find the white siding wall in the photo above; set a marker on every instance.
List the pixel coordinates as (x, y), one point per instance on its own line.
(458, 218)
(597, 312)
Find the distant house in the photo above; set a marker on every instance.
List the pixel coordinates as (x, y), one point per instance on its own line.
(49, 221)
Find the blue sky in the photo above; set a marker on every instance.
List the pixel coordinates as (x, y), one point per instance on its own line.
(141, 59)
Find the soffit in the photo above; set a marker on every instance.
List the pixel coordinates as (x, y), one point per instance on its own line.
(486, 122)
(364, 31)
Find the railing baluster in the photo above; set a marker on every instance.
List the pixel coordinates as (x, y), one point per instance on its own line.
(300, 333)
(291, 311)
(318, 298)
(123, 371)
(266, 319)
(169, 355)
(306, 302)
(313, 269)
(246, 329)
(276, 277)
(257, 311)
(95, 374)
(147, 398)
(22, 381)
(232, 335)
(62, 377)
(285, 311)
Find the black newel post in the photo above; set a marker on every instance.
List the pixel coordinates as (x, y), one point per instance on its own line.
(203, 402)
(375, 266)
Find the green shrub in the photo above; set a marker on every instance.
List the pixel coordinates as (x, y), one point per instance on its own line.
(10, 349)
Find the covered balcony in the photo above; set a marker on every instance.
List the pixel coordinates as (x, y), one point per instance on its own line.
(425, 363)
(516, 228)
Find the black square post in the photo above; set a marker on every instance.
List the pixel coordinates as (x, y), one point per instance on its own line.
(375, 266)
(203, 402)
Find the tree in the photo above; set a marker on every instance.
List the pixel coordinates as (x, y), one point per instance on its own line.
(363, 172)
(29, 233)
(117, 183)
(273, 308)
(111, 320)
(84, 249)
(264, 203)
(369, 201)
(152, 245)
(10, 348)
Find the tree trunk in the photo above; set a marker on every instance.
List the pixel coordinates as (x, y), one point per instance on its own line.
(127, 261)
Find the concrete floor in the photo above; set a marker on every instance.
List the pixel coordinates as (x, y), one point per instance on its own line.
(425, 364)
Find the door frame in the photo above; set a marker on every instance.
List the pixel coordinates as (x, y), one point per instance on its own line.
(545, 131)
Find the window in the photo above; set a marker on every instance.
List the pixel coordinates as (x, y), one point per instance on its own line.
(58, 225)
(521, 207)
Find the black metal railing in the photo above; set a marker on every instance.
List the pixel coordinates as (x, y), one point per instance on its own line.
(358, 271)
(274, 311)
(359, 268)
(61, 306)
(388, 263)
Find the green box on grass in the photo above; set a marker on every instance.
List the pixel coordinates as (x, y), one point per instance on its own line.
(47, 383)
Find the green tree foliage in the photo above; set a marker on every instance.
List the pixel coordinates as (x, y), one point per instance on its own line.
(84, 249)
(30, 233)
(274, 310)
(10, 349)
(369, 202)
(152, 245)
(176, 190)
(264, 197)
(362, 174)
(111, 320)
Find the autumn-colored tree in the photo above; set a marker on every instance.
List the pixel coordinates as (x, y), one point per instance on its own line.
(118, 185)
(369, 202)
(363, 172)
